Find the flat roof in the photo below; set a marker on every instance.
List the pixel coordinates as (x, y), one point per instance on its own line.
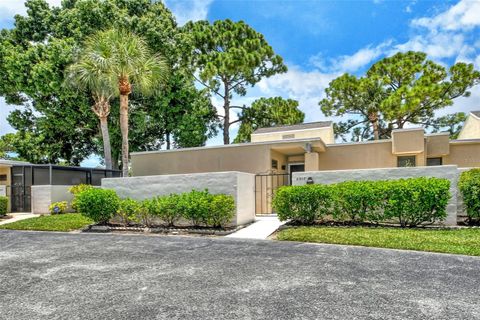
(233, 145)
(300, 126)
(475, 113)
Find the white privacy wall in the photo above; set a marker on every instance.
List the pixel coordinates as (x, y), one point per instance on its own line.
(238, 184)
(44, 195)
(449, 172)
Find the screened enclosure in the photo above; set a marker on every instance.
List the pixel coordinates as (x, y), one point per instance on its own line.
(25, 176)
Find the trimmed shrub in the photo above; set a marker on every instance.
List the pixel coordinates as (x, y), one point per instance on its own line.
(58, 207)
(303, 204)
(100, 205)
(165, 208)
(469, 185)
(417, 201)
(128, 210)
(358, 201)
(410, 202)
(143, 215)
(195, 206)
(76, 190)
(3, 205)
(222, 210)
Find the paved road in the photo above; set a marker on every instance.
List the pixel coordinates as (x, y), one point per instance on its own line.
(87, 276)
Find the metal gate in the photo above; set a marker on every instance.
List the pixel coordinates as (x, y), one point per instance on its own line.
(265, 187)
(21, 198)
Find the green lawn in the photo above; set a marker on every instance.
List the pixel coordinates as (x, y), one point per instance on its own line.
(61, 222)
(458, 241)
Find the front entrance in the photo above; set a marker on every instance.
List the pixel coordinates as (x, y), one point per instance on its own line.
(295, 167)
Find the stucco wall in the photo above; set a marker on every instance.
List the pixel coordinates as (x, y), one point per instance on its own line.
(6, 171)
(44, 196)
(464, 154)
(238, 184)
(243, 158)
(471, 129)
(325, 133)
(447, 172)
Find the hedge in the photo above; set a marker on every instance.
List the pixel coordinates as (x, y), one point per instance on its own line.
(100, 205)
(200, 207)
(3, 205)
(409, 202)
(469, 185)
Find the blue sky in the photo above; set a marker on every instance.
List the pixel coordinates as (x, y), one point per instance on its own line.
(320, 40)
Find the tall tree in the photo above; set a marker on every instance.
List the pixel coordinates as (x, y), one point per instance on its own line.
(88, 72)
(127, 61)
(228, 57)
(406, 88)
(268, 112)
(34, 56)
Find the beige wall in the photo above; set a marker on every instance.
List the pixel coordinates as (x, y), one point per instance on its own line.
(471, 129)
(282, 161)
(408, 141)
(244, 158)
(6, 170)
(326, 134)
(437, 145)
(464, 154)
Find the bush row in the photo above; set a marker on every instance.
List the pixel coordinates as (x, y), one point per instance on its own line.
(469, 185)
(409, 202)
(3, 205)
(200, 207)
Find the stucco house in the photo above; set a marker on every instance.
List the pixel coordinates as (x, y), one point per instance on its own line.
(275, 153)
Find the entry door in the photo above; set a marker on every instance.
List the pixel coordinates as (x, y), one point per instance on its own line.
(300, 167)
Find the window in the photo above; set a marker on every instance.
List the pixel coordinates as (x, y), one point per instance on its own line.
(3, 177)
(434, 161)
(274, 164)
(406, 161)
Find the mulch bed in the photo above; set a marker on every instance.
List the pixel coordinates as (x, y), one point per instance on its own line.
(202, 231)
(5, 217)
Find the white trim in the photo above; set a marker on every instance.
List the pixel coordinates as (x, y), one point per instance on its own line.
(291, 130)
(474, 115)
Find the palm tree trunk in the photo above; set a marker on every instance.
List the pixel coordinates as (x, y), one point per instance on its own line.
(124, 130)
(107, 149)
(374, 121)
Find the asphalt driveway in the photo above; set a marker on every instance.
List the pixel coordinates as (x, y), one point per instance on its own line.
(88, 276)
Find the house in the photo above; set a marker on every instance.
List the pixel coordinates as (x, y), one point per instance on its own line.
(311, 147)
(33, 187)
(275, 153)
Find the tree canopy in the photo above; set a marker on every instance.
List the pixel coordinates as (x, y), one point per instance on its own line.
(229, 57)
(268, 112)
(33, 59)
(405, 88)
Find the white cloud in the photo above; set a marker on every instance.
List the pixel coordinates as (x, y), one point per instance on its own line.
(189, 10)
(462, 16)
(9, 8)
(350, 63)
(5, 110)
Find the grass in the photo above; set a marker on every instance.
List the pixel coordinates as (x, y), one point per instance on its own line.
(60, 222)
(456, 241)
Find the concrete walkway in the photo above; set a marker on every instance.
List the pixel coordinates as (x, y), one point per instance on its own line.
(260, 229)
(18, 216)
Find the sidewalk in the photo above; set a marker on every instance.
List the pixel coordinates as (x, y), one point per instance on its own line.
(19, 216)
(260, 229)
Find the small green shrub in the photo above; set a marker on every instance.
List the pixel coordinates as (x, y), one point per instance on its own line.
(144, 215)
(165, 208)
(222, 210)
(100, 205)
(195, 206)
(75, 191)
(304, 204)
(3, 205)
(358, 201)
(128, 210)
(417, 201)
(58, 207)
(469, 185)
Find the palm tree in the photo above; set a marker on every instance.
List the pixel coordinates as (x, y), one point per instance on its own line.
(88, 72)
(130, 66)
